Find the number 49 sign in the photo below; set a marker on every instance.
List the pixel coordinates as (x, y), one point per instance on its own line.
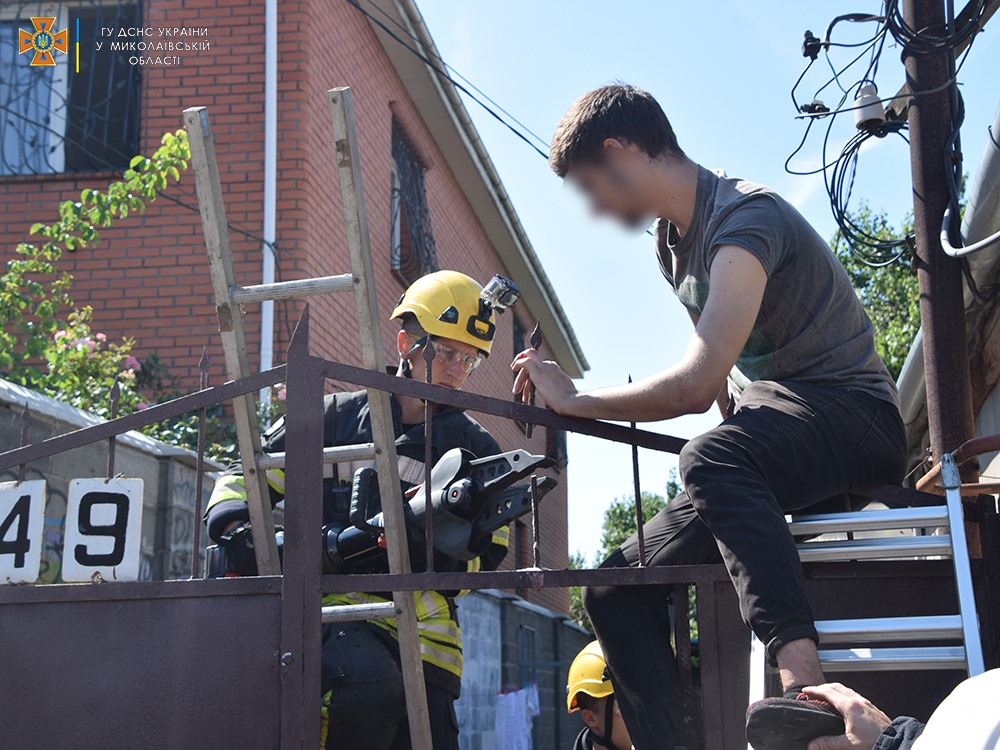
(103, 529)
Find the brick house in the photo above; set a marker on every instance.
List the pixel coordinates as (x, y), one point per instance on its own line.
(433, 197)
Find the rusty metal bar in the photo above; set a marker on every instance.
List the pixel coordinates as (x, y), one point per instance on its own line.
(536, 546)
(967, 451)
(158, 413)
(502, 408)
(199, 481)
(300, 598)
(116, 393)
(637, 492)
(525, 579)
(428, 354)
(535, 341)
(22, 470)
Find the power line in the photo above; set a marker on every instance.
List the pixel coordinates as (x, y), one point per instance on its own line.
(444, 74)
(839, 173)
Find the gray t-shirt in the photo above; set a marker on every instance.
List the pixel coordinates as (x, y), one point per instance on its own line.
(811, 327)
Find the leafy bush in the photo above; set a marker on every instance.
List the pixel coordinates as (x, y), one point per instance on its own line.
(35, 293)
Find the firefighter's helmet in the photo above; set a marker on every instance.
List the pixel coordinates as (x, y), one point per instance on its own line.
(448, 304)
(588, 674)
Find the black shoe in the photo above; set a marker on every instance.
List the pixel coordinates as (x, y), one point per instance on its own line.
(791, 723)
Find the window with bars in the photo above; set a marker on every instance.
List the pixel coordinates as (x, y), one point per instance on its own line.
(412, 253)
(53, 119)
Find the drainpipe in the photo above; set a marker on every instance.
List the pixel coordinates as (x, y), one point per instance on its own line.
(270, 180)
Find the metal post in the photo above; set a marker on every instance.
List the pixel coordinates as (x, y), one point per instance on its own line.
(112, 441)
(536, 533)
(942, 308)
(22, 470)
(428, 456)
(535, 341)
(300, 591)
(637, 490)
(199, 481)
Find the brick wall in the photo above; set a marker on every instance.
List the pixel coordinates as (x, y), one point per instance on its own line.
(148, 277)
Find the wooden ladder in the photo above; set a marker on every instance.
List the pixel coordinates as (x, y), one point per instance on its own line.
(229, 301)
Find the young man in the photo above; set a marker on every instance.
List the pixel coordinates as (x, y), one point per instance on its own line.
(779, 328)
(363, 702)
(589, 691)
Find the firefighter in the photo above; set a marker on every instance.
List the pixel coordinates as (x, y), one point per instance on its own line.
(363, 703)
(589, 691)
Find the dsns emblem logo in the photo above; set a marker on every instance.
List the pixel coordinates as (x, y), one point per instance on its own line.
(43, 40)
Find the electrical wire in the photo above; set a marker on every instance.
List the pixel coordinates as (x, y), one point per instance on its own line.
(869, 248)
(444, 63)
(920, 42)
(444, 74)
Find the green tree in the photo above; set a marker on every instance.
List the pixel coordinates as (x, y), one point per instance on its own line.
(889, 294)
(619, 518)
(619, 525)
(35, 300)
(578, 561)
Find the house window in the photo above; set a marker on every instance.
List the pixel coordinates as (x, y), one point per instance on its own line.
(412, 253)
(54, 120)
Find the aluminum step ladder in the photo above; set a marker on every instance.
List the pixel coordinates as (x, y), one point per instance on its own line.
(855, 645)
(229, 301)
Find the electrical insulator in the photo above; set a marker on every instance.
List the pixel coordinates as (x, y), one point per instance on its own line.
(868, 112)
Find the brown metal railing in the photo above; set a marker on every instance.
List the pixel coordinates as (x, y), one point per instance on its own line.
(722, 634)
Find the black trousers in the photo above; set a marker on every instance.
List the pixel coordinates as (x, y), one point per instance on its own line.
(364, 704)
(789, 446)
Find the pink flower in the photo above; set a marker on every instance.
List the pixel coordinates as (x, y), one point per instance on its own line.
(282, 394)
(131, 363)
(141, 405)
(101, 337)
(60, 335)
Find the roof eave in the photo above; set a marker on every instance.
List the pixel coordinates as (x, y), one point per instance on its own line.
(442, 110)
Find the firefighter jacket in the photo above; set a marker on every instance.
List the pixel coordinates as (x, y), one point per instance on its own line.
(347, 421)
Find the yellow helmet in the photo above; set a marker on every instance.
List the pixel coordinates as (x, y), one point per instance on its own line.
(588, 674)
(448, 304)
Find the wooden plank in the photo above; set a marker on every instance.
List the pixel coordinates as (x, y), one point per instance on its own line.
(292, 289)
(359, 244)
(213, 220)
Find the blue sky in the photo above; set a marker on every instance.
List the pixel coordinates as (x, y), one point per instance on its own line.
(723, 79)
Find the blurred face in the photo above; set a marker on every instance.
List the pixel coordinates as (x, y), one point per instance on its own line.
(613, 185)
(451, 364)
(596, 721)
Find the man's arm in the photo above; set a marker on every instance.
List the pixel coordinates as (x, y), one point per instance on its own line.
(722, 400)
(693, 384)
(867, 727)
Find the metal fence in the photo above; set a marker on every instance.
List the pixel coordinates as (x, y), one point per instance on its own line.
(714, 692)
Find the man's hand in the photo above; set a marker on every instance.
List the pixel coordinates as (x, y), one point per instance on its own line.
(865, 722)
(552, 384)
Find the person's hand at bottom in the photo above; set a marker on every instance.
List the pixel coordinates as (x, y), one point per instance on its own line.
(864, 721)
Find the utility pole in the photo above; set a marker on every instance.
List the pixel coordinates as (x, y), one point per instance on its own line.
(942, 308)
